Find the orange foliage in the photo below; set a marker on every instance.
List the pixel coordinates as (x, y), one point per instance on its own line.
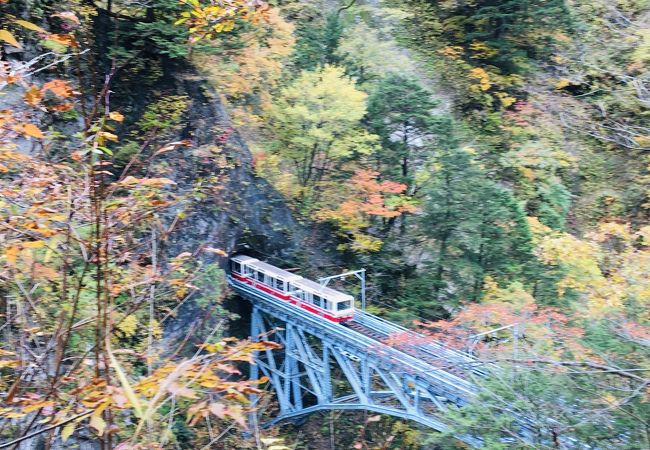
(544, 331)
(369, 196)
(366, 197)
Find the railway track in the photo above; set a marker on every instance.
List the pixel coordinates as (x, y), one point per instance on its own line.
(435, 354)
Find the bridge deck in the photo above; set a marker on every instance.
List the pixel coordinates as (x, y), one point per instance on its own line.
(437, 354)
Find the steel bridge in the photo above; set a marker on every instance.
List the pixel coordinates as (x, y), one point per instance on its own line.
(324, 365)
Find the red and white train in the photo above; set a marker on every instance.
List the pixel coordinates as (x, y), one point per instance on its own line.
(301, 292)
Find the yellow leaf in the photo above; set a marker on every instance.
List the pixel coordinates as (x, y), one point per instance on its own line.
(68, 15)
(235, 413)
(11, 363)
(9, 38)
(562, 83)
(12, 255)
(217, 251)
(181, 391)
(64, 39)
(98, 423)
(156, 182)
(29, 130)
(38, 405)
(33, 131)
(67, 431)
(33, 244)
(109, 136)
(121, 376)
(116, 116)
(30, 26)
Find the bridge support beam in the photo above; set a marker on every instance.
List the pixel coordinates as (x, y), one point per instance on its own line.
(313, 372)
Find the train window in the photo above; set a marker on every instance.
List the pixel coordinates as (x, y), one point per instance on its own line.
(279, 284)
(236, 266)
(270, 281)
(326, 304)
(317, 300)
(343, 305)
(260, 277)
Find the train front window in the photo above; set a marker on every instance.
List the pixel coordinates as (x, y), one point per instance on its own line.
(236, 266)
(343, 305)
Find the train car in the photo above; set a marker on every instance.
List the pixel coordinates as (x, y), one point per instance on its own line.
(262, 276)
(306, 294)
(326, 302)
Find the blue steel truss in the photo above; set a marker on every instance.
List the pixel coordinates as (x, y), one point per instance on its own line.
(328, 366)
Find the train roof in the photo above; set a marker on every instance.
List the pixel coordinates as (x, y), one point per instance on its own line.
(328, 293)
(244, 259)
(273, 271)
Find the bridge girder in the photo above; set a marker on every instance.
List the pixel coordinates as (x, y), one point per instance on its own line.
(307, 379)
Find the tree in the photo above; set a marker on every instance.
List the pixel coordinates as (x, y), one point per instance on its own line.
(316, 121)
(476, 227)
(400, 112)
(487, 45)
(364, 53)
(565, 380)
(85, 283)
(363, 199)
(318, 33)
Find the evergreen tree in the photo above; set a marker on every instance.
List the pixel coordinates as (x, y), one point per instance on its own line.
(512, 31)
(476, 226)
(318, 41)
(400, 111)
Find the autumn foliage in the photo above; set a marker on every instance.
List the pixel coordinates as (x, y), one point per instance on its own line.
(86, 287)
